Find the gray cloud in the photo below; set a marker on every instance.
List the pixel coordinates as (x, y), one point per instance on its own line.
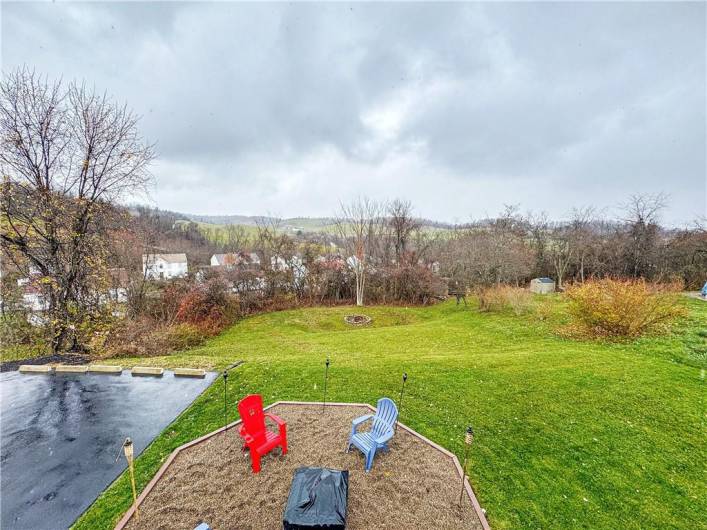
(459, 107)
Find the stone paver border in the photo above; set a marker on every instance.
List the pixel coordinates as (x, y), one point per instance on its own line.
(105, 369)
(147, 370)
(71, 368)
(189, 372)
(35, 369)
(469, 491)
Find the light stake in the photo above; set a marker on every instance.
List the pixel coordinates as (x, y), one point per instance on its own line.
(225, 383)
(326, 377)
(225, 405)
(400, 402)
(468, 440)
(129, 452)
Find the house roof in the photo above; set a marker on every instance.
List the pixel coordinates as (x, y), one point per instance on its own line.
(169, 258)
(236, 258)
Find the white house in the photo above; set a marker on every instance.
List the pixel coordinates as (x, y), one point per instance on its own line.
(299, 270)
(235, 259)
(164, 266)
(33, 298)
(353, 262)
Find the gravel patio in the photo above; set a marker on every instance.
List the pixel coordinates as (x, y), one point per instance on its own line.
(414, 485)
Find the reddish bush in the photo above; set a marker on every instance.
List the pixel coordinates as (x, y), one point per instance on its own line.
(207, 306)
(414, 284)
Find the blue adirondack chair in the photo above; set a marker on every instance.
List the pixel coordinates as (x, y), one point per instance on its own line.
(381, 432)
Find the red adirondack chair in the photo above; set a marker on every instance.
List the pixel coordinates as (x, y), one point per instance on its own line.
(257, 438)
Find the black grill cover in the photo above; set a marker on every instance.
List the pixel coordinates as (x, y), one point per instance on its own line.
(318, 498)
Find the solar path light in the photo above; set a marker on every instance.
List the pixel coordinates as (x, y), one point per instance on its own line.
(400, 402)
(468, 440)
(326, 377)
(225, 396)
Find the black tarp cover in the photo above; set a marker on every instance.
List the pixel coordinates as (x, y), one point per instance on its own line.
(317, 500)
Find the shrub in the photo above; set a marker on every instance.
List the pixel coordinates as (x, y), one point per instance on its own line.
(621, 308)
(183, 336)
(16, 330)
(136, 337)
(408, 284)
(413, 284)
(208, 307)
(503, 297)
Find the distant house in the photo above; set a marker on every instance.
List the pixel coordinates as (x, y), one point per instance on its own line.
(295, 264)
(331, 262)
(232, 260)
(118, 292)
(353, 262)
(33, 298)
(542, 285)
(164, 266)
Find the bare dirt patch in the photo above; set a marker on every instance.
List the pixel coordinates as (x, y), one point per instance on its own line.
(411, 486)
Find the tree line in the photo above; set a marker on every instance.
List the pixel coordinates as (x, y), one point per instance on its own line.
(70, 156)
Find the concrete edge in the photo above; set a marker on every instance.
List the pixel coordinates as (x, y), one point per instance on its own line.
(189, 372)
(71, 368)
(104, 369)
(35, 368)
(145, 492)
(147, 370)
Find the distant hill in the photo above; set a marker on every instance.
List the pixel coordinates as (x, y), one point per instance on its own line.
(291, 224)
(309, 224)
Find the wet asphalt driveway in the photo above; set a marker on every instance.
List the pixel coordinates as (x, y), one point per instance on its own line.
(60, 434)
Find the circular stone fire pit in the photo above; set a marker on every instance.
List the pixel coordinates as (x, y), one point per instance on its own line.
(357, 320)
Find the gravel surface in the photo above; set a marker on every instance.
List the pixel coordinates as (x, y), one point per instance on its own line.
(411, 486)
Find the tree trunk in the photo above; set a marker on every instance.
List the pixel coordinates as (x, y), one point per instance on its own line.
(581, 268)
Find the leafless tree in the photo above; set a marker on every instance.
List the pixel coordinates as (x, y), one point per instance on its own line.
(540, 232)
(642, 218)
(236, 238)
(402, 225)
(67, 154)
(582, 236)
(359, 225)
(562, 252)
(281, 265)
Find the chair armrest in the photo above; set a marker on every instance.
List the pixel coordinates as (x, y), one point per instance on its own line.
(246, 437)
(277, 419)
(358, 421)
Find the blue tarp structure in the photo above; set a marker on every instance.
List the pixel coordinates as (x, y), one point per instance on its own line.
(703, 292)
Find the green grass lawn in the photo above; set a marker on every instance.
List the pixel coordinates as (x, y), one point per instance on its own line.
(569, 434)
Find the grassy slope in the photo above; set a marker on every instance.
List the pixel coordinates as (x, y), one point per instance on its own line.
(569, 434)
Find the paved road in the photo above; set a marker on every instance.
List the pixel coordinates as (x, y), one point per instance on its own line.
(60, 434)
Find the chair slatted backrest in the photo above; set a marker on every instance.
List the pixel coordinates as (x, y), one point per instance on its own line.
(384, 419)
(251, 410)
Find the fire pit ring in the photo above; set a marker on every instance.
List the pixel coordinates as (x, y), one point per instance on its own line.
(357, 320)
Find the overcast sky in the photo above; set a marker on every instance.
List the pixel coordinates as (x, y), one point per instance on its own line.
(460, 108)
